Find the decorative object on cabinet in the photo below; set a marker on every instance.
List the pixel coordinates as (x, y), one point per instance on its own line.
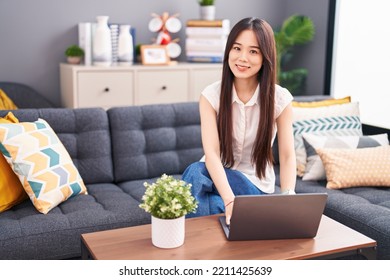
(85, 40)
(74, 54)
(164, 25)
(125, 46)
(154, 55)
(207, 9)
(206, 40)
(296, 30)
(114, 29)
(101, 43)
(86, 32)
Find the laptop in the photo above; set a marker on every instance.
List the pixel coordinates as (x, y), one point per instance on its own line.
(275, 216)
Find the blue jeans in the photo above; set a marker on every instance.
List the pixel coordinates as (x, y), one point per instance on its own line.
(205, 192)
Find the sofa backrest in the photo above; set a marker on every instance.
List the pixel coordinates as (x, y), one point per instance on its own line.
(150, 140)
(85, 134)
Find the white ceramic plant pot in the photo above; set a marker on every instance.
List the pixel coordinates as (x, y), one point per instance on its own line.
(207, 12)
(101, 44)
(168, 233)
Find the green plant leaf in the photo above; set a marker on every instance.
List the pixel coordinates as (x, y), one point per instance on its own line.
(206, 2)
(74, 50)
(168, 198)
(298, 29)
(295, 30)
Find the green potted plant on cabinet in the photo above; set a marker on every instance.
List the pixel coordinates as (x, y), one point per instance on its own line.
(295, 30)
(74, 54)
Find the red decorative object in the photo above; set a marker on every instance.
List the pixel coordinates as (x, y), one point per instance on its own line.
(165, 25)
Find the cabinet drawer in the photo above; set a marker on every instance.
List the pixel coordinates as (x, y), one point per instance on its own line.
(162, 86)
(105, 89)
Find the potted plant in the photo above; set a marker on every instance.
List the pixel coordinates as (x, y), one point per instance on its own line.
(296, 30)
(207, 9)
(74, 54)
(168, 200)
(206, 2)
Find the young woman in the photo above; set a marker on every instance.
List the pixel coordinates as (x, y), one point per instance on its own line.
(240, 116)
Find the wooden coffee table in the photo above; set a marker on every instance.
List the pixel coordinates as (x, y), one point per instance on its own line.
(205, 240)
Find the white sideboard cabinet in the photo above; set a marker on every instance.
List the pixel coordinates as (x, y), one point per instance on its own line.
(114, 86)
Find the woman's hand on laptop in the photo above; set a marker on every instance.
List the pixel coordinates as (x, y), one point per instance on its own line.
(288, 191)
(229, 211)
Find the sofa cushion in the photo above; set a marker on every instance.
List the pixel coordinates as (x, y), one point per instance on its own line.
(56, 235)
(354, 168)
(314, 169)
(151, 140)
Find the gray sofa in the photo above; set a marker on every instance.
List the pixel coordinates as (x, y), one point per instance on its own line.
(117, 150)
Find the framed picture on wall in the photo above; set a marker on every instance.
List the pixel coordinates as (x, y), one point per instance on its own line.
(154, 55)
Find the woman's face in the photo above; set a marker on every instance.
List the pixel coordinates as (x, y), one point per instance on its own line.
(245, 58)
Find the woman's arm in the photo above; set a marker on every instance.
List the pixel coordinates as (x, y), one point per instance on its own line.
(286, 150)
(210, 141)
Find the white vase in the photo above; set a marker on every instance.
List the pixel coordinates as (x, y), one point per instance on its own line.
(168, 233)
(101, 45)
(207, 12)
(125, 46)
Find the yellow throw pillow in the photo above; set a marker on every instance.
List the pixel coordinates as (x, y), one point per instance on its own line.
(11, 190)
(368, 167)
(327, 102)
(5, 102)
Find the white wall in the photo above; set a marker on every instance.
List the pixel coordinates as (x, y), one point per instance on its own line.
(361, 61)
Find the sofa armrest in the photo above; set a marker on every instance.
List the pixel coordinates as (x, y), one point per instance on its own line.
(371, 130)
(24, 96)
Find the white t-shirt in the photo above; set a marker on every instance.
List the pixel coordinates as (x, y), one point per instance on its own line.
(245, 124)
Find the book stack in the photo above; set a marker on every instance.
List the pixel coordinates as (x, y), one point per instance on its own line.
(206, 40)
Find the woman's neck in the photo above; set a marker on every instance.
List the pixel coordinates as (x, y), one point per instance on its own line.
(245, 88)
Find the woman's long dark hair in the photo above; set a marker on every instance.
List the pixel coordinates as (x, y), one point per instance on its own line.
(262, 150)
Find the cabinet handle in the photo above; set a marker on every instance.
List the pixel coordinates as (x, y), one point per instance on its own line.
(164, 87)
(106, 89)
